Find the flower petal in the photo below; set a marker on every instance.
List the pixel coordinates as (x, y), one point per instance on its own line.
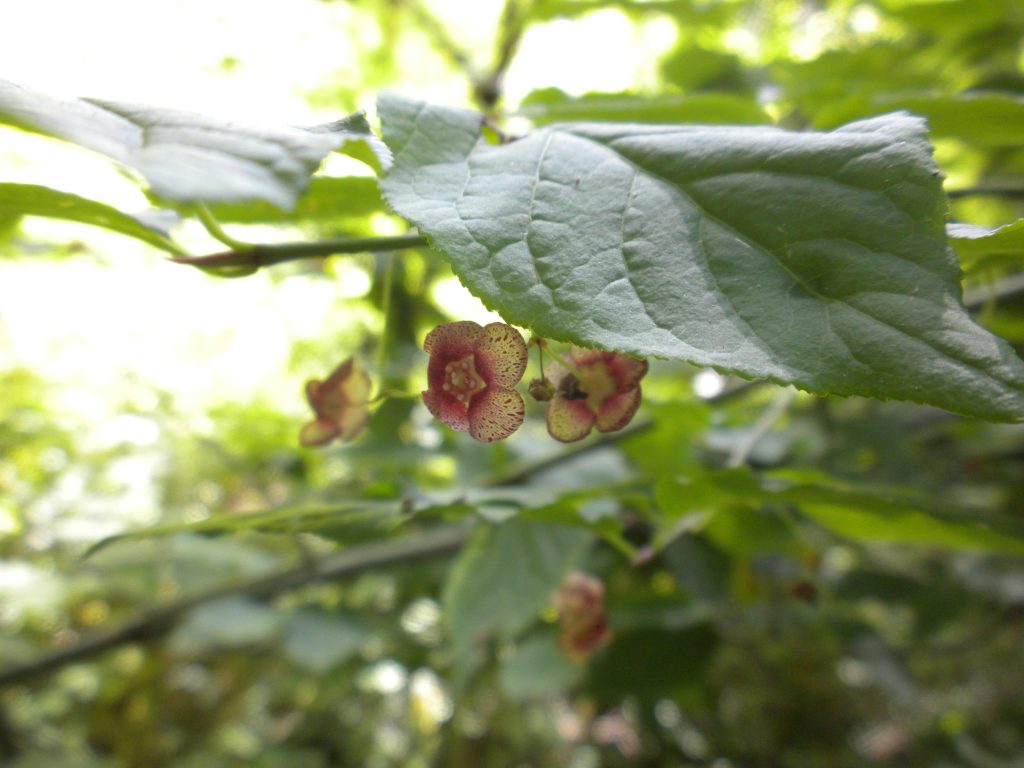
(495, 413)
(352, 421)
(356, 387)
(617, 411)
(318, 432)
(313, 392)
(340, 374)
(446, 408)
(627, 370)
(501, 355)
(453, 340)
(569, 420)
(449, 343)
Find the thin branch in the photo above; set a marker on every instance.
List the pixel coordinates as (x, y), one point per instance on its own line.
(278, 253)
(742, 450)
(157, 622)
(488, 88)
(432, 27)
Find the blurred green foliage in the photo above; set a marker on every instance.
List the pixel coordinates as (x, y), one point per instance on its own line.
(849, 593)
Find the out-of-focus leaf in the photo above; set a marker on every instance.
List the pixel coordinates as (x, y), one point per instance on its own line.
(813, 259)
(858, 514)
(191, 158)
(538, 668)
(329, 198)
(982, 119)
(692, 67)
(319, 641)
(651, 663)
(981, 247)
(699, 567)
(553, 106)
(226, 623)
(669, 446)
(34, 200)
(869, 522)
(506, 575)
(902, 517)
(740, 530)
(935, 604)
(685, 11)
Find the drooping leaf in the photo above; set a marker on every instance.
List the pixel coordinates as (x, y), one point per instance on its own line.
(507, 574)
(981, 247)
(190, 158)
(35, 200)
(813, 259)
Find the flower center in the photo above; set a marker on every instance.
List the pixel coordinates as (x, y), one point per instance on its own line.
(461, 380)
(596, 383)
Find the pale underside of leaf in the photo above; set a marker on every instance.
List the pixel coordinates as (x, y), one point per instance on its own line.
(191, 158)
(814, 259)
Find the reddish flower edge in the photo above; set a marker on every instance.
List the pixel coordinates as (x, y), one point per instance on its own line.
(618, 410)
(499, 358)
(626, 370)
(569, 420)
(495, 414)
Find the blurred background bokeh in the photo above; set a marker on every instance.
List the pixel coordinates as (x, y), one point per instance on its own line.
(137, 394)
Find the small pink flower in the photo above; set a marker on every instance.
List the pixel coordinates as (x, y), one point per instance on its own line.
(580, 606)
(471, 378)
(603, 390)
(339, 404)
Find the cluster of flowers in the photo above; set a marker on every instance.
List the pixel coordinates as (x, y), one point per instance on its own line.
(471, 380)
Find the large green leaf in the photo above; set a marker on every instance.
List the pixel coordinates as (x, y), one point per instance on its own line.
(34, 200)
(190, 158)
(814, 259)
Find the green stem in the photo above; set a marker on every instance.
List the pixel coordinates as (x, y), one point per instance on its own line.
(389, 394)
(213, 226)
(266, 255)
